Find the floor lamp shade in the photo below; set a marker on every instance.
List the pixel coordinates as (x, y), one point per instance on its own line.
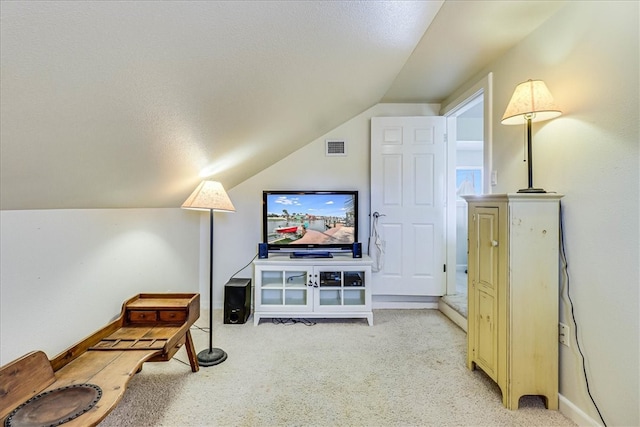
(531, 102)
(210, 196)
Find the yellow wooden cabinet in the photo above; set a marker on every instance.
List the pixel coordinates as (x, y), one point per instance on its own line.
(513, 293)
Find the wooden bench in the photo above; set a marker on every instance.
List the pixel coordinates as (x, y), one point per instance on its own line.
(150, 328)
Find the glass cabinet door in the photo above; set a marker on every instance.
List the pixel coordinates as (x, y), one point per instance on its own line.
(280, 288)
(341, 288)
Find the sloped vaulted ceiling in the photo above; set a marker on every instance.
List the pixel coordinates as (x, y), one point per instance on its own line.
(123, 104)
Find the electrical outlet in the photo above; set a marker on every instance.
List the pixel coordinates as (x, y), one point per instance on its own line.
(563, 334)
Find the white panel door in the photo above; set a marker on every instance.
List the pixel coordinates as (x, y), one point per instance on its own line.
(408, 178)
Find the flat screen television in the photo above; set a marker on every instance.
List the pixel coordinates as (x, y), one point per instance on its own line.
(322, 220)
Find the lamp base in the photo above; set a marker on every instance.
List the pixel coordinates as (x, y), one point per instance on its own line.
(211, 356)
(531, 190)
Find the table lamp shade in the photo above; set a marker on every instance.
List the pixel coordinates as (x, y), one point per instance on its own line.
(209, 195)
(531, 99)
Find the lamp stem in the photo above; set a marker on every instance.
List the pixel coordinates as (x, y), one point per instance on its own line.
(529, 154)
(211, 271)
(530, 188)
(211, 356)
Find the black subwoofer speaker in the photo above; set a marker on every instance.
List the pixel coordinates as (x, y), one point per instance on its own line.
(237, 300)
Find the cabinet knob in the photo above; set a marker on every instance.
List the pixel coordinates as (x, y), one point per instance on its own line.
(494, 243)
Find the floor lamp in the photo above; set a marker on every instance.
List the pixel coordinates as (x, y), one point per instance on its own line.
(531, 102)
(210, 196)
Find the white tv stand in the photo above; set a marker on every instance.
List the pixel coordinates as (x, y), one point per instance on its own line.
(338, 287)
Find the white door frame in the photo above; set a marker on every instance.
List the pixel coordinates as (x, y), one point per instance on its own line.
(450, 110)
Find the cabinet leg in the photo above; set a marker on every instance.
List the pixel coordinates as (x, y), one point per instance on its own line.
(551, 403)
(370, 319)
(191, 353)
(511, 404)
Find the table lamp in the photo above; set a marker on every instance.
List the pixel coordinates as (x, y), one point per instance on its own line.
(530, 102)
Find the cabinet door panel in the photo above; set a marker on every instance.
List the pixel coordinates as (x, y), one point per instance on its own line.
(486, 334)
(487, 219)
(485, 289)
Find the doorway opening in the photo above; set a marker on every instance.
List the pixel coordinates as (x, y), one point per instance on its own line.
(469, 151)
(469, 173)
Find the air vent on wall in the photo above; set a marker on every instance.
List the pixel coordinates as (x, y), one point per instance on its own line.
(336, 147)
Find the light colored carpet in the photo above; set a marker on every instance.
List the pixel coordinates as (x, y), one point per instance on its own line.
(406, 370)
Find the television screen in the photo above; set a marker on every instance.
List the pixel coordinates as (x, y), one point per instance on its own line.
(310, 219)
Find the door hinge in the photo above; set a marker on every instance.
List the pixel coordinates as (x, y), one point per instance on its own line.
(446, 137)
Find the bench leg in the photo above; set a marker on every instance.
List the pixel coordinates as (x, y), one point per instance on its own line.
(191, 353)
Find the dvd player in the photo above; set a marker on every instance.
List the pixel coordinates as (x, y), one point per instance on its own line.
(311, 254)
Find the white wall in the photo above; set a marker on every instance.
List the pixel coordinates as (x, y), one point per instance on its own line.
(66, 273)
(237, 235)
(588, 56)
(469, 128)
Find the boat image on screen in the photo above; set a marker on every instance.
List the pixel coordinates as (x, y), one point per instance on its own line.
(310, 219)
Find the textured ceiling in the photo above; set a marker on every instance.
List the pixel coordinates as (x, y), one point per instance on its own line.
(124, 104)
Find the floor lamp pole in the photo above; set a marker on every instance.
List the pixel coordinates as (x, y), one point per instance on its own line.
(211, 356)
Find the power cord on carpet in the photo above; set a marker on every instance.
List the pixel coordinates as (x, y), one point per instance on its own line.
(291, 321)
(565, 270)
(197, 328)
(181, 361)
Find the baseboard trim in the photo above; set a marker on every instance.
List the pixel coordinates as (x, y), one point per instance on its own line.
(575, 414)
(453, 315)
(404, 305)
